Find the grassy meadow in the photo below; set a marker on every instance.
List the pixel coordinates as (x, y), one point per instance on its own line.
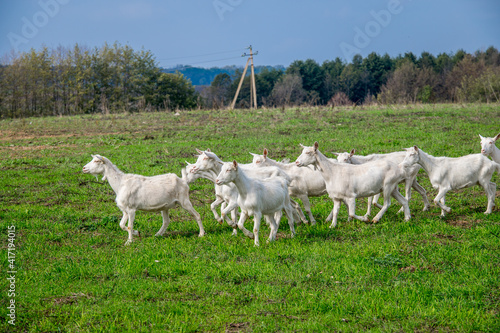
(74, 274)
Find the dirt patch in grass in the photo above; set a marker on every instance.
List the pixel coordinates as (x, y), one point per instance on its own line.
(14, 136)
(463, 222)
(237, 327)
(62, 300)
(42, 147)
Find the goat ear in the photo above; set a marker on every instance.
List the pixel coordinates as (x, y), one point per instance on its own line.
(208, 149)
(336, 154)
(316, 145)
(496, 137)
(199, 151)
(265, 153)
(301, 145)
(352, 152)
(481, 137)
(235, 164)
(415, 147)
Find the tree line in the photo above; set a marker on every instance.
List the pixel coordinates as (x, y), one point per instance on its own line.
(80, 80)
(114, 78)
(456, 77)
(201, 76)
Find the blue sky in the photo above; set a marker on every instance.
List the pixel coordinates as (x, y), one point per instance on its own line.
(211, 33)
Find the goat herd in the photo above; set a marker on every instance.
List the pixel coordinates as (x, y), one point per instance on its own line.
(265, 187)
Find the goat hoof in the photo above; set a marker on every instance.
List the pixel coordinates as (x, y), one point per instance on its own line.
(128, 242)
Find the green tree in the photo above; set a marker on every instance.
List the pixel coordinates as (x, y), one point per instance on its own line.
(265, 82)
(175, 92)
(311, 73)
(331, 82)
(426, 60)
(219, 95)
(376, 70)
(443, 64)
(354, 80)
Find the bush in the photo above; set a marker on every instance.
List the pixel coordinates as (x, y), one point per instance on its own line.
(340, 99)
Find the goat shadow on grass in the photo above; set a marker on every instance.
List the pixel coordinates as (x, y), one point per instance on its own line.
(173, 234)
(320, 235)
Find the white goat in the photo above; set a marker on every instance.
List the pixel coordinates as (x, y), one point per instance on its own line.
(346, 158)
(136, 192)
(447, 173)
(225, 195)
(345, 182)
(395, 157)
(488, 147)
(258, 198)
(305, 183)
(209, 161)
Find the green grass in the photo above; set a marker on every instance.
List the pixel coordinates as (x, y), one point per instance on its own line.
(74, 274)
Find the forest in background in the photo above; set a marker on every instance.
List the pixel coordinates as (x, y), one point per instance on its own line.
(201, 76)
(116, 78)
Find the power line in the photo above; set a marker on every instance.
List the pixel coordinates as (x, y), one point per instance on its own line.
(200, 55)
(202, 62)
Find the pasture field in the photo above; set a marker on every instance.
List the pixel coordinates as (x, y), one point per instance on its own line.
(72, 272)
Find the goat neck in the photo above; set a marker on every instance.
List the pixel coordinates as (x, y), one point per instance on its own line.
(113, 175)
(426, 161)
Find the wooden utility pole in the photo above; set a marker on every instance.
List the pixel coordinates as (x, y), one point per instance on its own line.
(253, 90)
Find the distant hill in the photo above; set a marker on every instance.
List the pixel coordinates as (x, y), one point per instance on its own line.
(204, 76)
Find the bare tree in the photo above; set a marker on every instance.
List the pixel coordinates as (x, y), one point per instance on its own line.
(288, 91)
